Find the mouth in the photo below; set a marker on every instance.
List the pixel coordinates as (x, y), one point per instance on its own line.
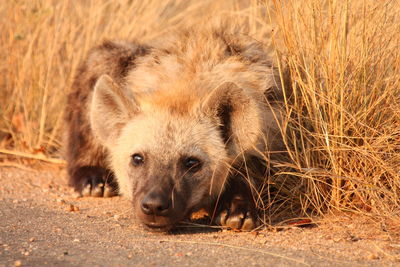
(159, 222)
(158, 227)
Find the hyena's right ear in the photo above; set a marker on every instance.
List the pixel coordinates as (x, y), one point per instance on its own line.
(110, 110)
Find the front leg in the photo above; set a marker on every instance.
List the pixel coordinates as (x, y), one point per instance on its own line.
(235, 208)
(94, 181)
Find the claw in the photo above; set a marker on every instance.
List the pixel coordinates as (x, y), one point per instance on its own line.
(86, 191)
(221, 218)
(248, 224)
(234, 222)
(109, 191)
(97, 191)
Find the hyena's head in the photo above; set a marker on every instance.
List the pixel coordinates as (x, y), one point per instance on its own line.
(171, 156)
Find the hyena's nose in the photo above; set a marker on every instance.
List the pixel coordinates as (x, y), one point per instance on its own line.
(155, 203)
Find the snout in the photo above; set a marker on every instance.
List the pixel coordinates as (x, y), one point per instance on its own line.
(156, 204)
(159, 210)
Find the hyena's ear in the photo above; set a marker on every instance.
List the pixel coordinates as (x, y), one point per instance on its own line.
(238, 115)
(110, 109)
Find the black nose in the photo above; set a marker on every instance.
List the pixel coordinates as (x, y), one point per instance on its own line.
(155, 203)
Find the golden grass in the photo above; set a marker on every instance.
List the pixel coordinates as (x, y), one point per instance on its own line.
(344, 135)
(343, 59)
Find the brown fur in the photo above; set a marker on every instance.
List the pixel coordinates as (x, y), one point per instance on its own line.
(197, 95)
(83, 151)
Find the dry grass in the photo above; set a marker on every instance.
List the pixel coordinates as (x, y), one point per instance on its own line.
(344, 132)
(343, 128)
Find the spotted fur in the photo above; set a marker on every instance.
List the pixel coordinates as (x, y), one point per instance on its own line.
(139, 115)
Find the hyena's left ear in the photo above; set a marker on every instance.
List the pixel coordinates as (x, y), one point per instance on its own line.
(238, 115)
(110, 110)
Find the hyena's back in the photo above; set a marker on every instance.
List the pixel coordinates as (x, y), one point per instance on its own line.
(86, 157)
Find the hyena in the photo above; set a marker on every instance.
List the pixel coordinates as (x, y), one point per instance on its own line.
(176, 125)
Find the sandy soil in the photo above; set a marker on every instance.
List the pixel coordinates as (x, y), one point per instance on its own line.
(42, 223)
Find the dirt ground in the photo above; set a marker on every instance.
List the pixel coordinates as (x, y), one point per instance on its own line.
(42, 223)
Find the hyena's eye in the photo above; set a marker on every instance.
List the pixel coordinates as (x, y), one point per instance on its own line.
(137, 159)
(192, 164)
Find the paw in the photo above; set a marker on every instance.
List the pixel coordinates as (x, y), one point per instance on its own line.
(239, 214)
(95, 182)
